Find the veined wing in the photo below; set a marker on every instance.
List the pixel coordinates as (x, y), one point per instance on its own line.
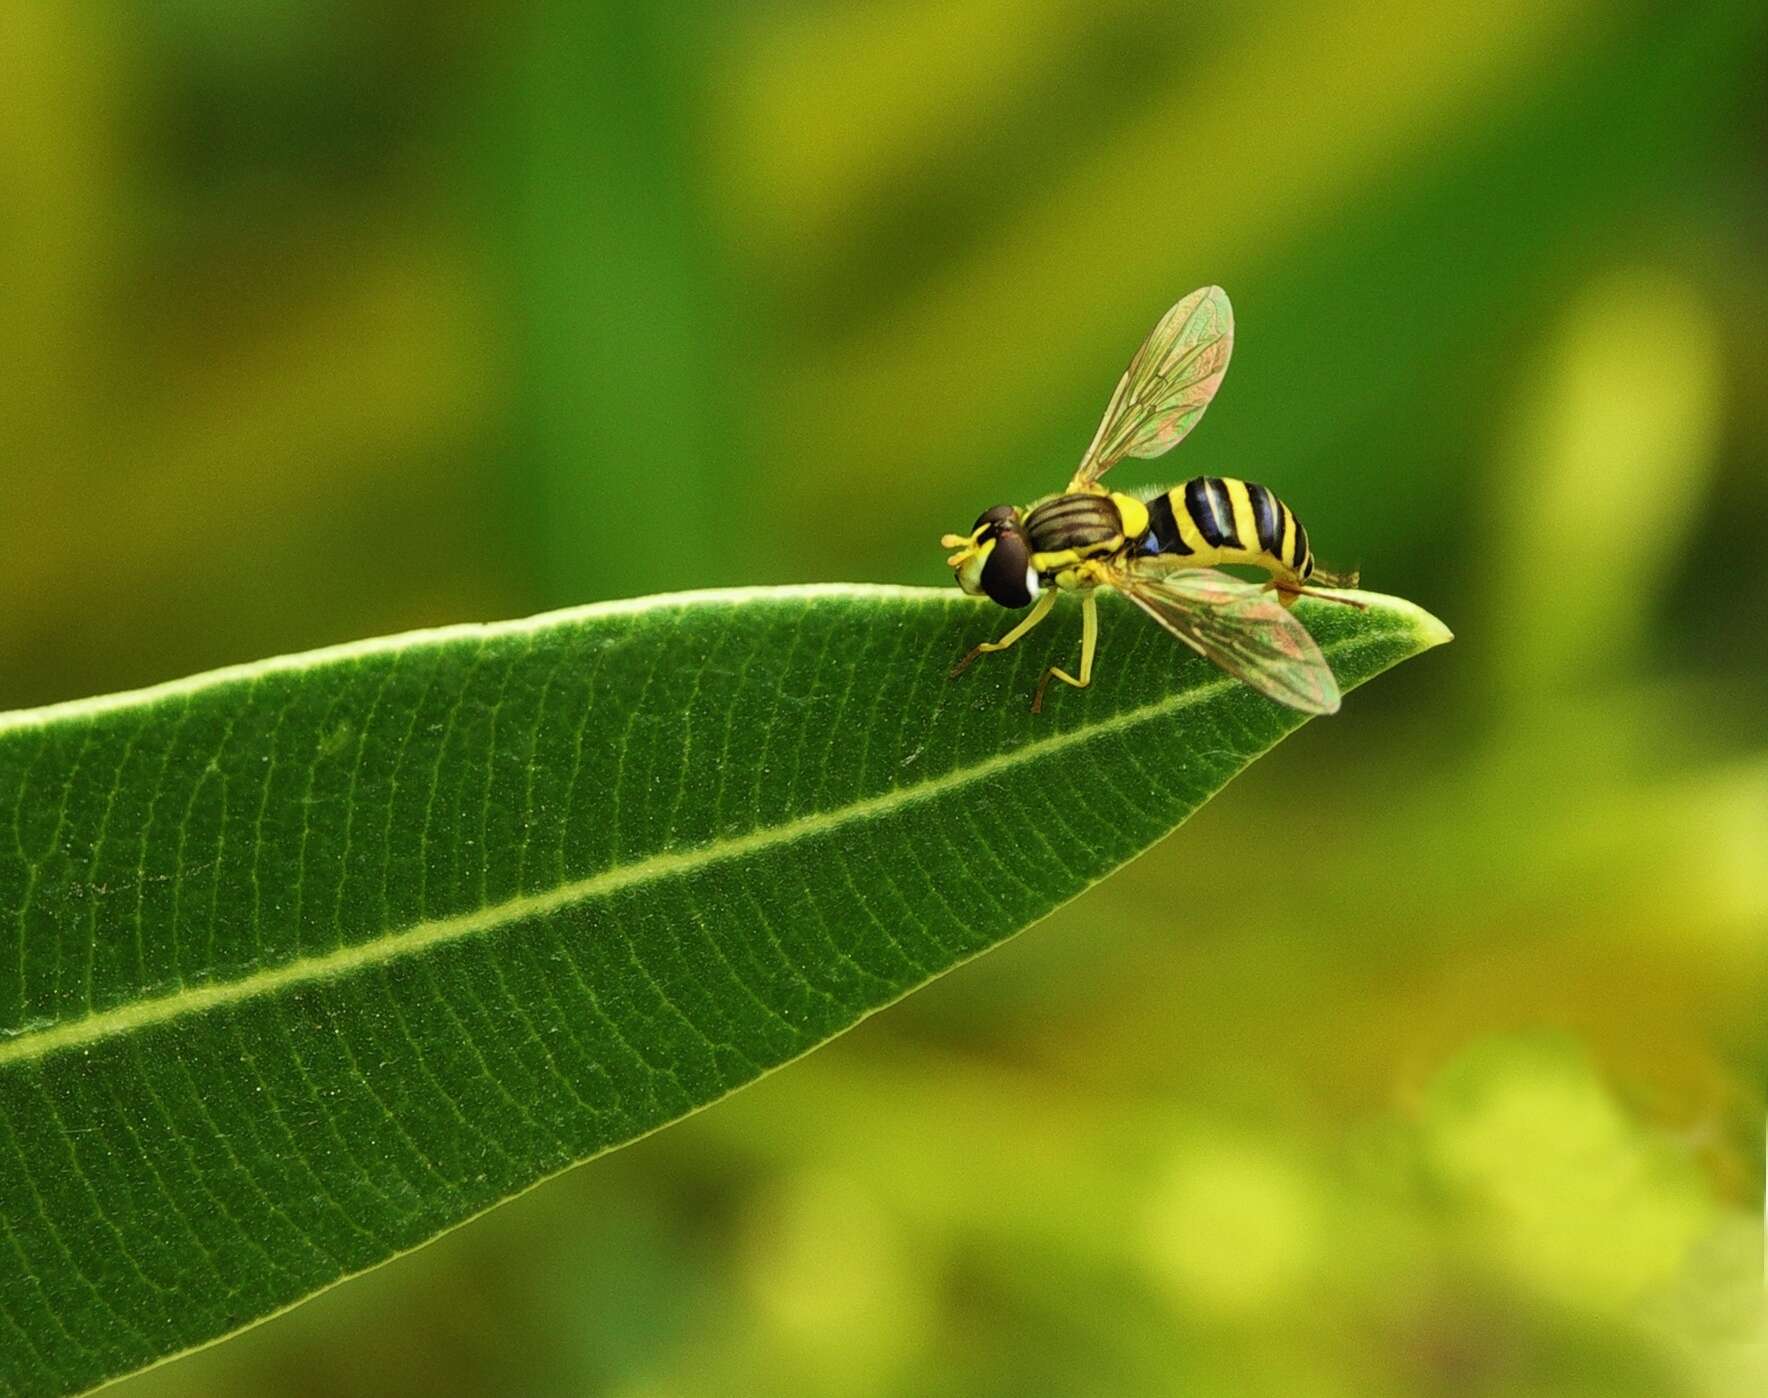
(1240, 626)
(1168, 384)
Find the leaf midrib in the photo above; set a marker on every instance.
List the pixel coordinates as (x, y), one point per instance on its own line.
(34, 1043)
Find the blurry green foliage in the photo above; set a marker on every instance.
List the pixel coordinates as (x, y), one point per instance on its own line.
(322, 324)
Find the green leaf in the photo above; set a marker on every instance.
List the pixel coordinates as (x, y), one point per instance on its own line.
(304, 962)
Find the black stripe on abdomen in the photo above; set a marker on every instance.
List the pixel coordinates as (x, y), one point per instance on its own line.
(1163, 530)
(1266, 517)
(1207, 503)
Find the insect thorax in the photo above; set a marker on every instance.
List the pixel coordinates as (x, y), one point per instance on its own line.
(1072, 522)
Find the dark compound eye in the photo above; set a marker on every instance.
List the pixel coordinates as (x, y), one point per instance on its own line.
(1006, 576)
(999, 515)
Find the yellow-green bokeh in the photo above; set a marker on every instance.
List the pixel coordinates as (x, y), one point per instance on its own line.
(1429, 1060)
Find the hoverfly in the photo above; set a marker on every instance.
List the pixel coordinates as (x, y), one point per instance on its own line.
(1160, 549)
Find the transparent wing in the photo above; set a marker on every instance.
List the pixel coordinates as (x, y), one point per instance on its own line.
(1169, 383)
(1239, 626)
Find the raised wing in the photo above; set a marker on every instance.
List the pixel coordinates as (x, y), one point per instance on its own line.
(1169, 383)
(1239, 626)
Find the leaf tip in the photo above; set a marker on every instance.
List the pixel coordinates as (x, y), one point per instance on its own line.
(1424, 630)
(1429, 629)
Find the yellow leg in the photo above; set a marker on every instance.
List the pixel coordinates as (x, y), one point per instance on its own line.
(1288, 592)
(1089, 645)
(1039, 610)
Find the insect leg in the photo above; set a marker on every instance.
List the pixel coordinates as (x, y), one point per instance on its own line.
(1040, 609)
(1089, 645)
(1287, 593)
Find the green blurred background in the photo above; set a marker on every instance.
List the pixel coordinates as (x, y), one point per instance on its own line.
(329, 320)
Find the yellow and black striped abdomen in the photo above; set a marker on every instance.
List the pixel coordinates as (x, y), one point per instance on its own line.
(1212, 519)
